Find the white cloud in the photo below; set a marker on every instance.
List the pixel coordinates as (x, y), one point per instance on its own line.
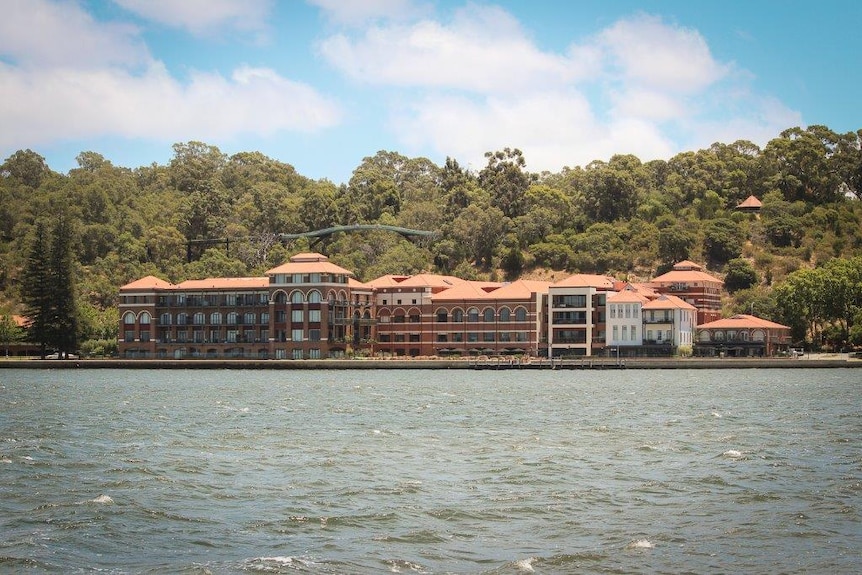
(92, 79)
(482, 50)
(554, 129)
(45, 105)
(43, 33)
(481, 83)
(659, 56)
(203, 16)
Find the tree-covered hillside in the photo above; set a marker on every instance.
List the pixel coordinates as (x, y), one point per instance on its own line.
(621, 217)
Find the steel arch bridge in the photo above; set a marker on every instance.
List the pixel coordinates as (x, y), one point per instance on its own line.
(316, 235)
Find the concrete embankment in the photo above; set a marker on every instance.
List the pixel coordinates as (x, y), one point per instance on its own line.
(482, 364)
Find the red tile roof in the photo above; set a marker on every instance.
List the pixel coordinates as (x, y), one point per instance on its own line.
(587, 280)
(667, 301)
(520, 289)
(742, 321)
(685, 272)
(750, 203)
(309, 263)
(224, 283)
(147, 283)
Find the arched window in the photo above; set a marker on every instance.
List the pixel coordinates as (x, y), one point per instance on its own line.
(704, 336)
(215, 318)
(232, 318)
(757, 335)
(505, 314)
(457, 315)
(520, 314)
(182, 319)
(314, 296)
(165, 319)
(489, 315)
(296, 297)
(145, 318)
(198, 318)
(280, 297)
(129, 318)
(472, 314)
(330, 297)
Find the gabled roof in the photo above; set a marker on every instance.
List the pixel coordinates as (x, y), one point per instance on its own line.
(750, 203)
(147, 283)
(742, 321)
(224, 283)
(468, 291)
(667, 301)
(520, 289)
(432, 280)
(587, 280)
(308, 263)
(627, 296)
(687, 265)
(386, 281)
(356, 284)
(685, 272)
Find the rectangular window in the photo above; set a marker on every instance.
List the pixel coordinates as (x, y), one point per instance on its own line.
(296, 335)
(628, 311)
(313, 354)
(488, 336)
(296, 316)
(613, 311)
(616, 333)
(314, 335)
(634, 332)
(214, 336)
(625, 333)
(129, 335)
(442, 337)
(472, 337)
(231, 335)
(297, 354)
(314, 316)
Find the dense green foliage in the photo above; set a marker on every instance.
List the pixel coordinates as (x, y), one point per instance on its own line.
(622, 217)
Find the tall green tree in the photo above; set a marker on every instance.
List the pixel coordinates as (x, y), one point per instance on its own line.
(506, 181)
(36, 290)
(64, 317)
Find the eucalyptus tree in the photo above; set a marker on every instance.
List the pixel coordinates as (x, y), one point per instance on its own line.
(505, 179)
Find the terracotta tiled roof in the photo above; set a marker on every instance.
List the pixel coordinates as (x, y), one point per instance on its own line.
(667, 301)
(20, 320)
(587, 280)
(750, 203)
(627, 296)
(386, 281)
(520, 289)
(309, 263)
(687, 265)
(432, 280)
(685, 272)
(742, 321)
(224, 283)
(147, 283)
(358, 285)
(464, 291)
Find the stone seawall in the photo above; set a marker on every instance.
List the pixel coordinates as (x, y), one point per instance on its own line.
(489, 364)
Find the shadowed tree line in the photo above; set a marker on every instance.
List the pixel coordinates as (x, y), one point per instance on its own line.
(622, 217)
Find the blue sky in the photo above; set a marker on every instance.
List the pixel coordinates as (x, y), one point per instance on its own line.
(322, 84)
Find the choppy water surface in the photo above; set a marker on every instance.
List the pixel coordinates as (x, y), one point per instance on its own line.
(750, 471)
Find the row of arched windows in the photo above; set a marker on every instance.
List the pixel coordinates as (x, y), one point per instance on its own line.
(312, 296)
(458, 315)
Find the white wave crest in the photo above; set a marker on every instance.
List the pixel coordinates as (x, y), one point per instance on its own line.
(103, 499)
(525, 565)
(732, 454)
(640, 544)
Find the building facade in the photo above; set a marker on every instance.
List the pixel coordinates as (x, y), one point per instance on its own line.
(688, 281)
(742, 336)
(310, 308)
(307, 308)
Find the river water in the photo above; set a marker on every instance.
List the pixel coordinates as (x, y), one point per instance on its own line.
(354, 472)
